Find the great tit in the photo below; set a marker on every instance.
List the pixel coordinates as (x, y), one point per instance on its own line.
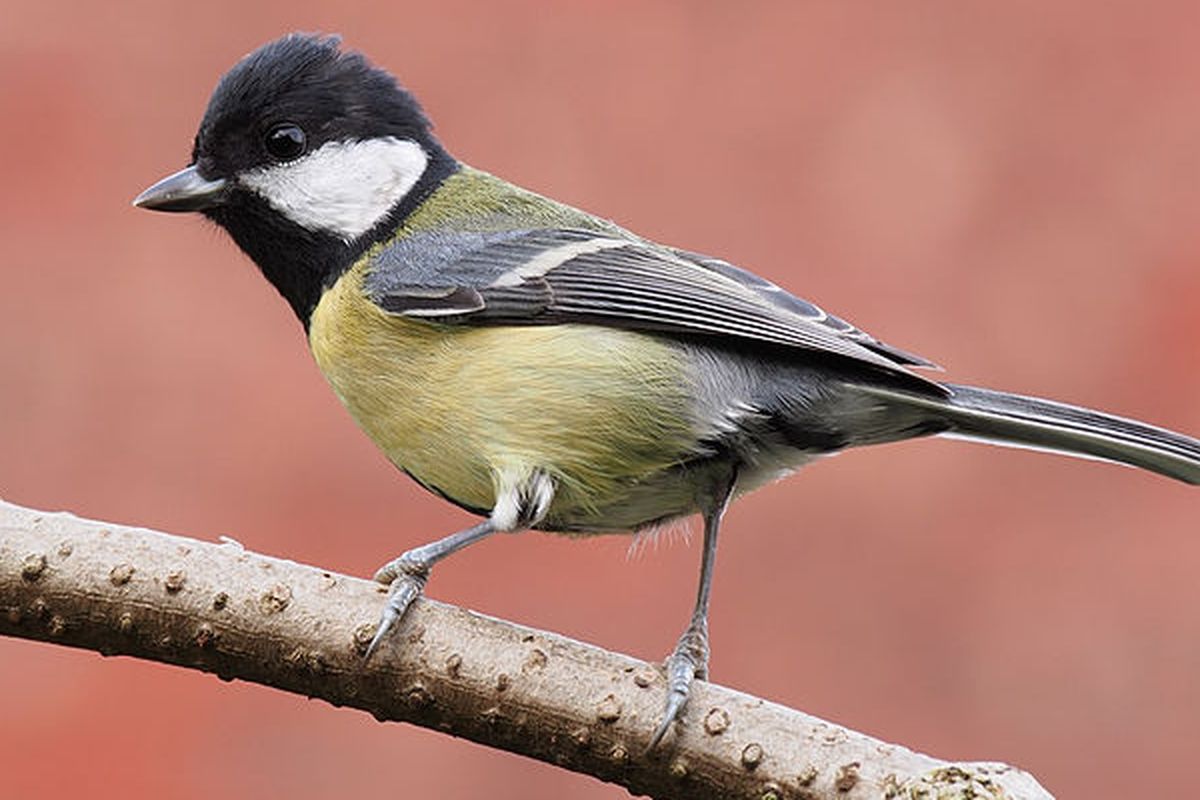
(542, 367)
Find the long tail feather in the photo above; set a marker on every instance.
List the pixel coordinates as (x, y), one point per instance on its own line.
(1003, 418)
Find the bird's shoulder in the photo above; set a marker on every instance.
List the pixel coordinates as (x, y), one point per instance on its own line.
(481, 250)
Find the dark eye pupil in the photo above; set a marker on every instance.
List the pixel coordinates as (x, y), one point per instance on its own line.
(285, 141)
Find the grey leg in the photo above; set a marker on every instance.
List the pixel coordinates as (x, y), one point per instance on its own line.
(689, 660)
(520, 504)
(408, 574)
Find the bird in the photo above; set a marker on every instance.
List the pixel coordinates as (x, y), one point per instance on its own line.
(545, 368)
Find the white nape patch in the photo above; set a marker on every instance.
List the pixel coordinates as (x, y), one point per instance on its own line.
(343, 188)
(555, 257)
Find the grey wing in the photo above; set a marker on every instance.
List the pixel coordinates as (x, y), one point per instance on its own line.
(780, 297)
(554, 276)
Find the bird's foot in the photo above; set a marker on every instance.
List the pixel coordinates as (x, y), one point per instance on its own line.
(407, 578)
(688, 661)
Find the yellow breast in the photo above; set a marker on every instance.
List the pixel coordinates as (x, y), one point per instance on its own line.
(456, 406)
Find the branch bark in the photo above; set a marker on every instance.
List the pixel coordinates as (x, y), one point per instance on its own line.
(221, 609)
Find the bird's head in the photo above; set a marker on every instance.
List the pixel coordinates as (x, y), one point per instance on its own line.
(306, 154)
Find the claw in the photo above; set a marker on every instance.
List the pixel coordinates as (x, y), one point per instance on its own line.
(676, 700)
(688, 662)
(405, 589)
(387, 621)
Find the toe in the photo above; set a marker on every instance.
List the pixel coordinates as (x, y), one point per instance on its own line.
(681, 669)
(387, 573)
(675, 703)
(405, 589)
(387, 621)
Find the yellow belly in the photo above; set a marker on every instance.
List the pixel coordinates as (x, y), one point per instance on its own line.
(599, 410)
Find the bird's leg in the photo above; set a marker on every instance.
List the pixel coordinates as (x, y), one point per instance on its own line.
(407, 574)
(689, 660)
(522, 501)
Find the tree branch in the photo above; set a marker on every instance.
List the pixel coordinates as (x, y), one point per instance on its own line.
(218, 608)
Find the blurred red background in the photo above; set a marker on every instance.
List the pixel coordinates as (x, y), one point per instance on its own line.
(1012, 191)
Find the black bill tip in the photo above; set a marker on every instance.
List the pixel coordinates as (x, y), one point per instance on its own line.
(186, 190)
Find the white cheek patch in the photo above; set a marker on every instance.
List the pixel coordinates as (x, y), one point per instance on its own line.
(342, 188)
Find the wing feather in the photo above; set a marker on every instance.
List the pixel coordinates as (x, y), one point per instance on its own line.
(554, 276)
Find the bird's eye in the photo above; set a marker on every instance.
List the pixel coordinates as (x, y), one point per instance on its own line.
(285, 141)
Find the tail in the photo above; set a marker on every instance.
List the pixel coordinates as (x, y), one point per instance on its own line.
(1001, 418)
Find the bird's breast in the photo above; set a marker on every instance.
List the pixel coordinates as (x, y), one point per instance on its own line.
(600, 410)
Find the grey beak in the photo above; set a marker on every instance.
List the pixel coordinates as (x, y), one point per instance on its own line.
(186, 190)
